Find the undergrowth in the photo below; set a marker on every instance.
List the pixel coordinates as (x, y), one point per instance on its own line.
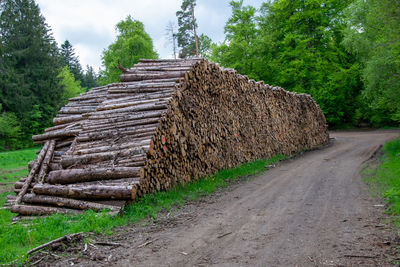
(384, 179)
(17, 239)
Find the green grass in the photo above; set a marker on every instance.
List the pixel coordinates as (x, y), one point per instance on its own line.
(17, 239)
(385, 178)
(16, 159)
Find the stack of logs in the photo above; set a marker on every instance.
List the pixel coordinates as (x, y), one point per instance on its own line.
(167, 122)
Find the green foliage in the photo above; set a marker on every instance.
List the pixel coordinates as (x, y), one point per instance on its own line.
(187, 33)
(297, 45)
(29, 67)
(373, 35)
(239, 51)
(70, 87)
(68, 58)
(386, 177)
(205, 44)
(16, 239)
(89, 78)
(132, 44)
(10, 130)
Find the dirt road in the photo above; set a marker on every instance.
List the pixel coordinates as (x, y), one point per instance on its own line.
(310, 211)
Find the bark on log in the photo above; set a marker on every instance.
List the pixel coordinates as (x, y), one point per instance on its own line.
(41, 210)
(71, 176)
(67, 202)
(32, 173)
(121, 125)
(127, 77)
(98, 157)
(87, 192)
(93, 135)
(111, 147)
(54, 135)
(45, 165)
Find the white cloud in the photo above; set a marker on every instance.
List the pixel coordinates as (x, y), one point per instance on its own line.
(90, 24)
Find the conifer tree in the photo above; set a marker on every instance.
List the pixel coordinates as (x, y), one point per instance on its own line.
(30, 64)
(68, 58)
(186, 36)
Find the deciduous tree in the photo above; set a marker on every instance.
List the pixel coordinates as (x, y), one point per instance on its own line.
(132, 44)
(373, 35)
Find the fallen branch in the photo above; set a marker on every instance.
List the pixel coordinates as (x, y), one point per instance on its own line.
(224, 235)
(361, 256)
(145, 244)
(68, 237)
(108, 244)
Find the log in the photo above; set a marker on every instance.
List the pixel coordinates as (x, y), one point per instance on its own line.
(122, 117)
(54, 135)
(190, 61)
(131, 103)
(68, 161)
(57, 240)
(67, 202)
(142, 85)
(128, 124)
(41, 210)
(18, 185)
(65, 143)
(85, 175)
(75, 110)
(127, 77)
(111, 147)
(136, 132)
(45, 164)
(87, 192)
(32, 173)
(144, 107)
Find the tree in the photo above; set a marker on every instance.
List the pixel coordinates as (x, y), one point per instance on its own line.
(170, 32)
(30, 64)
(68, 58)
(205, 45)
(10, 130)
(239, 48)
(70, 86)
(373, 36)
(132, 44)
(307, 54)
(187, 37)
(89, 78)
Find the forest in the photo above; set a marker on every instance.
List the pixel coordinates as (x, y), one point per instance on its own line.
(344, 53)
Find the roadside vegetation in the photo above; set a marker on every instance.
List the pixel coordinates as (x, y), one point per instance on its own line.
(16, 239)
(13, 165)
(384, 179)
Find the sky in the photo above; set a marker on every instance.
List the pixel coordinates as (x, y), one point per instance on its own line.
(89, 25)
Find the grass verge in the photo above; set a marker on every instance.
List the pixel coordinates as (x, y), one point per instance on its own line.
(17, 239)
(384, 179)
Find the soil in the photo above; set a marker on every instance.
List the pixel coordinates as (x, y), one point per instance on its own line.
(312, 210)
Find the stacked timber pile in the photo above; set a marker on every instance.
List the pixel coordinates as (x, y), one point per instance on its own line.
(167, 122)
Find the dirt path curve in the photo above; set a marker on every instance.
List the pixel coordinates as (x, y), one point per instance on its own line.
(309, 211)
